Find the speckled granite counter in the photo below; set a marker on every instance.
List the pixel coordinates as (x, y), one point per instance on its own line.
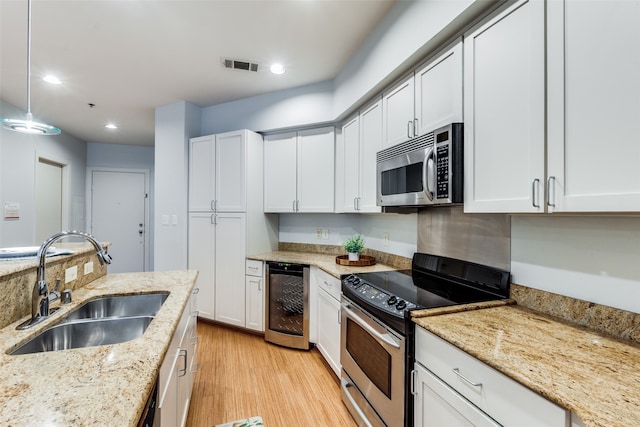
(326, 262)
(592, 374)
(105, 385)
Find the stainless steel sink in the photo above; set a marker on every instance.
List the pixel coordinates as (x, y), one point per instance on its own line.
(119, 306)
(86, 333)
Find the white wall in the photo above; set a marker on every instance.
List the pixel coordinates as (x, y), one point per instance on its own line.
(175, 124)
(119, 156)
(402, 229)
(595, 259)
(17, 178)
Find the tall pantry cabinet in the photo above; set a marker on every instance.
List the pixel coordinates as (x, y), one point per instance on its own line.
(226, 221)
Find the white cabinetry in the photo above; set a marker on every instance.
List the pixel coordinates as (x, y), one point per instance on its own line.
(232, 226)
(504, 111)
(175, 381)
(299, 171)
(255, 295)
(362, 139)
(429, 98)
(593, 101)
(328, 317)
(459, 390)
(217, 177)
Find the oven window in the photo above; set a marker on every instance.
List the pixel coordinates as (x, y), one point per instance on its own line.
(407, 179)
(370, 356)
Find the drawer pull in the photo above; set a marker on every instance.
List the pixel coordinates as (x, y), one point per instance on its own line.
(465, 379)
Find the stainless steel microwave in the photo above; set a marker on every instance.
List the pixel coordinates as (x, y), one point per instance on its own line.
(427, 170)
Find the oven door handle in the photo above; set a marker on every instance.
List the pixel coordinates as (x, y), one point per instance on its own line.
(360, 321)
(345, 385)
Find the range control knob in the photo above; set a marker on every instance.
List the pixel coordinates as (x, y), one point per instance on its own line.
(392, 300)
(401, 305)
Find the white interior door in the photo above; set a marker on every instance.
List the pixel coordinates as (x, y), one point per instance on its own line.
(48, 200)
(118, 216)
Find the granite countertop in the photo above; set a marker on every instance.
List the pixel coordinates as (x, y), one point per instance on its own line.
(592, 374)
(326, 262)
(104, 385)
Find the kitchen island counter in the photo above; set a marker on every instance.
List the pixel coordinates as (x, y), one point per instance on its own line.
(103, 385)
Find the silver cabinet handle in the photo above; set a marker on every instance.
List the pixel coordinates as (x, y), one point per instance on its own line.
(182, 372)
(465, 379)
(355, 203)
(260, 284)
(549, 186)
(213, 205)
(409, 128)
(345, 387)
(368, 327)
(534, 185)
(415, 127)
(294, 206)
(213, 219)
(195, 291)
(412, 388)
(328, 284)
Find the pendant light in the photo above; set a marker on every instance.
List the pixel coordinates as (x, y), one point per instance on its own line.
(28, 125)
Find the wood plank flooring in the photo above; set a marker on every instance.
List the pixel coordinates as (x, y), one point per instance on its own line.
(240, 375)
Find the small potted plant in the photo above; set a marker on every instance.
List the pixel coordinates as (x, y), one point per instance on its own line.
(354, 246)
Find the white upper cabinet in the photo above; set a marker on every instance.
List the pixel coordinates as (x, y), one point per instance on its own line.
(398, 116)
(593, 60)
(362, 136)
(429, 98)
(222, 187)
(299, 171)
(438, 90)
(504, 111)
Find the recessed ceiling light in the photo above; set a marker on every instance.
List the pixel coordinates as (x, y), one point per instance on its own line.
(51, 79)
(111, 126)
(277, 68)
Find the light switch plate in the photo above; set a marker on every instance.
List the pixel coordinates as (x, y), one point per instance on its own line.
(71, 274)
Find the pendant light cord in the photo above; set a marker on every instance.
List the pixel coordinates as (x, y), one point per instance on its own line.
(29, 115)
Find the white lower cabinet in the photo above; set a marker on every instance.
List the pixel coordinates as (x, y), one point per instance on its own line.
(175, 381)
(453, 388)
(328, 317)
(254, 281)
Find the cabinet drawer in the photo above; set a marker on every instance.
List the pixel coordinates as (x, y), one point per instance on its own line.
(505, 400)
(253, 268)
(329, 284)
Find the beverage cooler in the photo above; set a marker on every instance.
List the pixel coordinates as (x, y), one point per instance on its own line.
(287, 308)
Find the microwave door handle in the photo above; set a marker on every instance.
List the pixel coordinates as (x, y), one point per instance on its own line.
(426, 175)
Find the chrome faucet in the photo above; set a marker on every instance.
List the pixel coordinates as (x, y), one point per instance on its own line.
(40, 297)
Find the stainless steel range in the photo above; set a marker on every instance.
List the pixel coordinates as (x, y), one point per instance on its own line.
(377, 335)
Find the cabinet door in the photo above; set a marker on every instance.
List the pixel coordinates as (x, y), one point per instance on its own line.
(370, 144)
(593, 106)
(316, 156)
(201, 173)
(201, 257)
(255, 303)
(329, 329)
(436, 404)
(230, 172)
(280, 166)
(397, 113)
(438, 97)
(229, 271)
(351, 143)
(504, 107)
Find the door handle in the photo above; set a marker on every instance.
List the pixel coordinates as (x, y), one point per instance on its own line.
(182, 372)
(368, 327)
(428, 164)
(534, 185)
(549, 186)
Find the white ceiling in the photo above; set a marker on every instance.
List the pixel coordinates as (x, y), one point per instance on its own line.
(130, 56)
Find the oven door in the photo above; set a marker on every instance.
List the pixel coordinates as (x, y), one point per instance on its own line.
(373, 359)
(408, 179)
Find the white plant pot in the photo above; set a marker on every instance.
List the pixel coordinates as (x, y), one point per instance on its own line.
(354, 256)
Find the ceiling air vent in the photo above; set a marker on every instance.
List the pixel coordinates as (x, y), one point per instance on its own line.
(239, 65)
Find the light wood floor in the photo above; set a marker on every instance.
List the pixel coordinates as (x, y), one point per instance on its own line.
(240, 375)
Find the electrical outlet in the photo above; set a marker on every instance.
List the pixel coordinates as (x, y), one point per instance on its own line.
(318, 233)
(71, 274)
(385, 239)
(88, 268)
(325, 234)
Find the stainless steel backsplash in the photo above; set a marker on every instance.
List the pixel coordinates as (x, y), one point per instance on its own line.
(481, 238)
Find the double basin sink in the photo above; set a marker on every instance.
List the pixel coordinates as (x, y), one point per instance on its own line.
(102, 321)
